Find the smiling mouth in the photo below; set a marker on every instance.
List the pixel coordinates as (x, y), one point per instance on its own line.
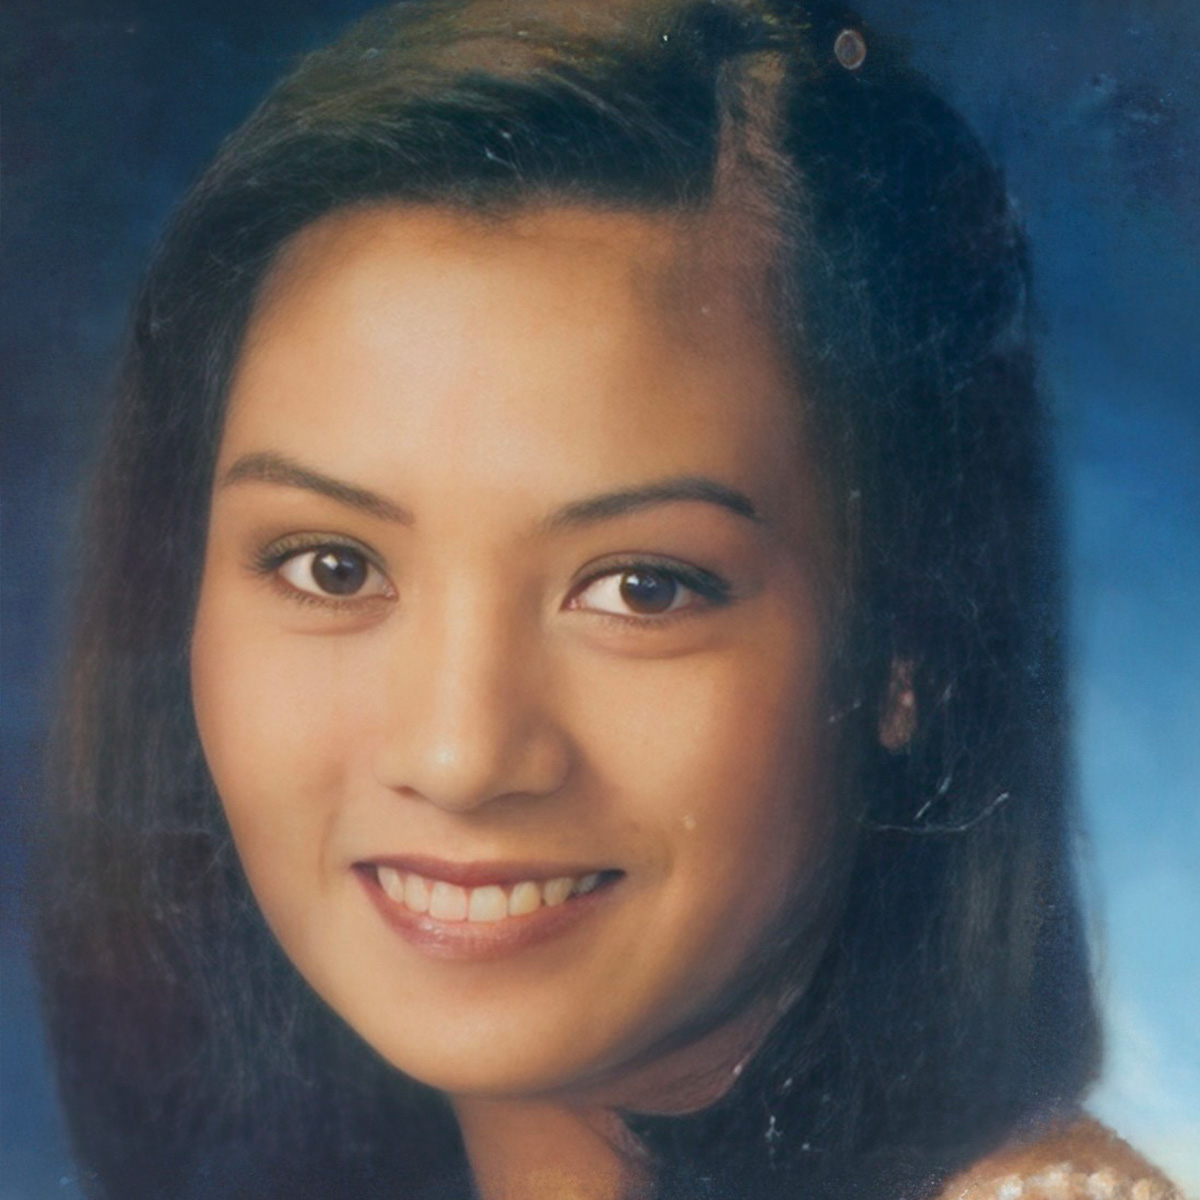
(487, 911)
(444, 901)
(448, 902)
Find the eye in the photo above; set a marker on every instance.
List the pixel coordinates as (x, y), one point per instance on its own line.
(648, 590)
(331, 571)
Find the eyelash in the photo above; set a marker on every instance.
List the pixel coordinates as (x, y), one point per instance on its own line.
(270, 562)
(711, 590)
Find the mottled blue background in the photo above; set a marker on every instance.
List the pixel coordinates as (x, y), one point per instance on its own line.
(1093, 106)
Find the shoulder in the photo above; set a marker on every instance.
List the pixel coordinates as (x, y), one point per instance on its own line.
(1069, 1160)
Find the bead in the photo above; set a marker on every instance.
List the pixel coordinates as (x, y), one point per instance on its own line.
(850, 49)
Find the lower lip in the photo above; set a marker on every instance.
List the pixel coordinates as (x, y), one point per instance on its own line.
(481, 941)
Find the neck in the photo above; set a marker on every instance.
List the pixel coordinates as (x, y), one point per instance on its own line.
(547, 1150)
(579, 1149)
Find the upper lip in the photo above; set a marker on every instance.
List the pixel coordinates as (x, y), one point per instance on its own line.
(481, 874)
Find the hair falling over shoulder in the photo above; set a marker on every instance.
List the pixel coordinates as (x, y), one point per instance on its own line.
(953, 1003)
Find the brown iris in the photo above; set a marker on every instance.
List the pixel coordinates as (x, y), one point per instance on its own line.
(648, 592)
(339, 571)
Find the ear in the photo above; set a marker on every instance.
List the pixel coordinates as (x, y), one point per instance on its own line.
(898, 722)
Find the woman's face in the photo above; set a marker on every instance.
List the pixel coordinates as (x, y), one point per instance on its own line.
(509, 652)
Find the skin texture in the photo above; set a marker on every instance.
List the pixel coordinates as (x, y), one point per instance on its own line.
(486, 695)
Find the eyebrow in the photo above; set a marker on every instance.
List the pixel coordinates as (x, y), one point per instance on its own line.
(693, 488)
(269, 467)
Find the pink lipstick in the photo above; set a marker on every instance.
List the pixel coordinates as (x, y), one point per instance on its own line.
(480, 911)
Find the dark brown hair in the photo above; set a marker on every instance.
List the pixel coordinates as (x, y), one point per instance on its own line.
(953, 1002)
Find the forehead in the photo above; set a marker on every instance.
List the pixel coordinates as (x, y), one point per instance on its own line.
(694, 273)
(615, 343)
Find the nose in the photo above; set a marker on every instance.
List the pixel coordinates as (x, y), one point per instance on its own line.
(471, 717)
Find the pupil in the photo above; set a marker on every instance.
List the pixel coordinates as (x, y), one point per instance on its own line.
(339, 572)
(648, 591)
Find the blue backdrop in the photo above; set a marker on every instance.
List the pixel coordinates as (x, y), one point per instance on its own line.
(1093, 106)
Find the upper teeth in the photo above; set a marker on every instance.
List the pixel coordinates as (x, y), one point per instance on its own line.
(449, 902)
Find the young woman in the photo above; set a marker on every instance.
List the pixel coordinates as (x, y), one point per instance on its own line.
(567, 698)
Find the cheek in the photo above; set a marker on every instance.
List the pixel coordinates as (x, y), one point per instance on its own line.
(720, 776)
(722, 767)
(273, 718)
